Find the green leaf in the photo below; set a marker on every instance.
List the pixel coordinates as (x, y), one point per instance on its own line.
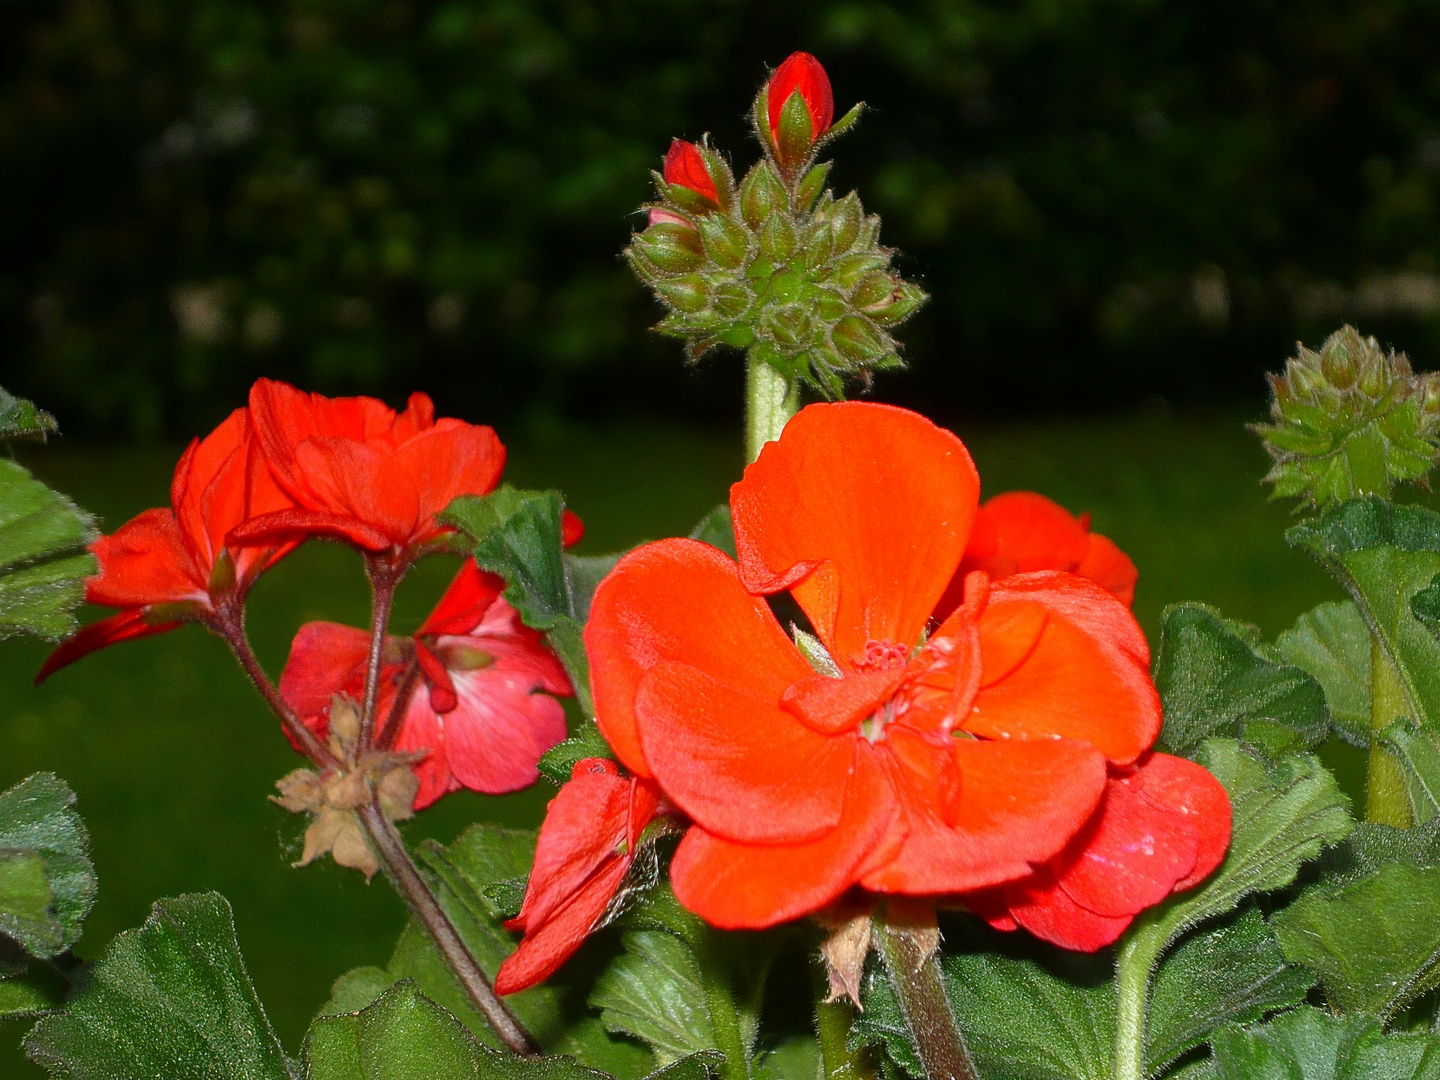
(517, 535)
(1283, 817)
(1425, 606)
(1383, 555)
(171, 999)
(1332, 643)
(699, 1066)
(1213, 683)
(796, 1058)
(1371, 846)
(1417, 749)
(717, 528)
(881, 1024)
(653, 992)
(45, 869)
(28, 987)
(559, 761)
(461, 874)
(1374, 942)
(1307, 1044)
(43, 557)
(20, 419)
(1230, 972)
(1026, 1019)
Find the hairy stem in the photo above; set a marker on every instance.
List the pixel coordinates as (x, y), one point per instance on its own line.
(770, 400)
(1138, 953)
(404, 690)
(232, 630)
(1385, 800)
(412, 887)
(720, 1001)
(832, 1025)
(383, 580)
(915, 973)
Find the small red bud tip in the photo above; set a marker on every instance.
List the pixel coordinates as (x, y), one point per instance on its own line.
(685, 165)
(804, 73)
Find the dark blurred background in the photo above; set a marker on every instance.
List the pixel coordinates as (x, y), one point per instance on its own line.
(1108, 198)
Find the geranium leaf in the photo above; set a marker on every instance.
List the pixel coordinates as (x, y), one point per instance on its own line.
(1383, 555)
(461, 874)
(1425, 606)
(1283, 816)
(1213, 683)
(29, 989)
(47, 883)
(652, 991)
(43, 561)
(1375, 942)
(1332, 643)
(20, 419)
(1067, 1003)
(881, 1024)
(559, 761)
(1229, 972)
(170, 999)
(1417, 749)
(1307, 1044)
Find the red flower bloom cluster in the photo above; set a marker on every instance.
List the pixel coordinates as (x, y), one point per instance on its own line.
(480, 719)
(165, 566)
(1001, 755)
(800, 74)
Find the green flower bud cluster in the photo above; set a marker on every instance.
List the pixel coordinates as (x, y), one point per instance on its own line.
(775, 265)
(1350, 420)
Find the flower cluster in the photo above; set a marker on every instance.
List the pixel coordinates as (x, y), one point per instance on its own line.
(292, 466)
(776, 266)
(994, 751)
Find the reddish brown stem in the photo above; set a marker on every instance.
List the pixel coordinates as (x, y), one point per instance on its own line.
(390, 730)
(384, 577)
(426, 910)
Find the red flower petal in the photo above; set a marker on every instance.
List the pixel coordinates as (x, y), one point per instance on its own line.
(685, 165)
(1026, 532)
(1086, 678)
(1193, 792)
(1051, 915)
(499, 729)
(862, 510)
(146, 561)
(291, 525)
(1110, 568)
(545, 949)
(422, 732)
(465, 602)
(735, 886)
(116, 628)
(679, 600)
(801, 71)
(572, 529)
(981, 812)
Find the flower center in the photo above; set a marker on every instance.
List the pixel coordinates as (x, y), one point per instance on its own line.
(882, 656)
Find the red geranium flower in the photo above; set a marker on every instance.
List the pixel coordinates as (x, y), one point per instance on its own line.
(910, 764)
(801, 74)
(685, 165)
(479, 715)
(1163, 826)
(168, 565)
(587, 843)
(1020, 532)
(360, 472)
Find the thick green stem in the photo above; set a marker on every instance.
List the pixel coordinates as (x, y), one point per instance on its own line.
(1138, 953)
(915, 974)
(832, 1025)
(720, 1000)
(770, 400)
(1385, 801)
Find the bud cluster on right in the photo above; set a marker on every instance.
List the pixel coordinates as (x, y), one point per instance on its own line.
(1350, 420)
(775, 265)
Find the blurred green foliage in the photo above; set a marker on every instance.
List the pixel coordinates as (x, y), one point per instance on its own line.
(1105, 197)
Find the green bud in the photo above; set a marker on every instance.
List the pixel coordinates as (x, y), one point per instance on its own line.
(689, 200)
(784, 287)
(725, 242)
(731, 300)
(790, 325)
(828, 305)
(688, 293)
(777, 239)
(1350, 420)
(761, 194)
(872, 290)
(742, 337)
(795, 134)
(898, 306)
(848, 271)
(857, 340)
(845, 224)
(810, 186)
(672, 248)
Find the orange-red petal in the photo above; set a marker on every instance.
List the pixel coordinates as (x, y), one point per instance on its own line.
(146, 561)
(123, 626)
(1110, 568)
(738, 886)
(1193, 792)
(679, 600)
(1087, 677)
(979, 813)
(862, 511)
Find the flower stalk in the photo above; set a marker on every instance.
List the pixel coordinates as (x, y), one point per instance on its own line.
(1386, 802)
(771, 400)
(910, 954)
(1138, 953)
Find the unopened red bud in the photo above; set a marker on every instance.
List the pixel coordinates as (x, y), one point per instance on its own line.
(685, 166)
(801, 74)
